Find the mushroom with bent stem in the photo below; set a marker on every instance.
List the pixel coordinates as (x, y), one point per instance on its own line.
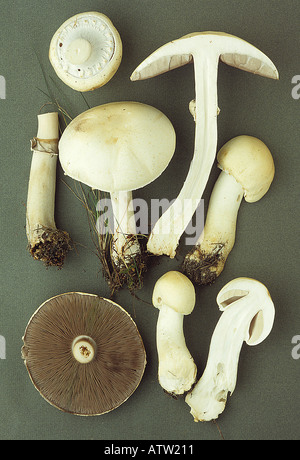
(174, 296)
(117, 148)
(247, 170)
(248, 316)
(205, 50)
(45, 241)
(86, 51)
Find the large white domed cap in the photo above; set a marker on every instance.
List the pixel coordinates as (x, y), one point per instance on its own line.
(176, 291)
(120, 146)
(250, 162)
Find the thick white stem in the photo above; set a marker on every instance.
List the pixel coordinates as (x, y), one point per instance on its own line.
(177, 370)
(42, 179)
(167, 231)
(125, 242)
(46, 242)
(207, 259)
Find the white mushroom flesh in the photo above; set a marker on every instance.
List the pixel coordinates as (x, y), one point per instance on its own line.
(248, 316)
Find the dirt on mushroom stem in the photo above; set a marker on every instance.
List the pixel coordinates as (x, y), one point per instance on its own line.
(52, 248)
(203, 268)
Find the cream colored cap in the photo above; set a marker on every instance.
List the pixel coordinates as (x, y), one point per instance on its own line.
(120, 146)
(250, 162)
(175, 291)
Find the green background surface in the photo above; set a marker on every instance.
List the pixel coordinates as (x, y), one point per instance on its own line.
(265, 404)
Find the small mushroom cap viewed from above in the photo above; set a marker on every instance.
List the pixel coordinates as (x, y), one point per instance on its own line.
(83, 353)
(120, 146)
(86, 51)
(175, 291)
(250, 162)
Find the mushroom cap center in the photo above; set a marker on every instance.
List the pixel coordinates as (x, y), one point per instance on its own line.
(79, 51)
(84, 349)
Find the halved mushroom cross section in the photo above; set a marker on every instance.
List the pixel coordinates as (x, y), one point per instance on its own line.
(205, 50)
(248, 316)
(84, 354)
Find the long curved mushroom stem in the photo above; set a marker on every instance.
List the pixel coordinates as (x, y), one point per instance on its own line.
(204, 263)
(172, 224)
(45, 241)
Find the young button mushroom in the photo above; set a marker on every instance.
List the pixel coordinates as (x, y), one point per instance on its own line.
(247, 170)
(117, 148)
(83, 353)
(174, 296)
(45, 241)
(205, 50)
(86, 51)
(248, 316)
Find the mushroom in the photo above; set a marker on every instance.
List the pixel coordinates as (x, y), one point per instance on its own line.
(119, 147)
(45, 241)
(83, 353)
(205, 50)
(86, 51)
(248, 316)
(247, 170)
(174, 296)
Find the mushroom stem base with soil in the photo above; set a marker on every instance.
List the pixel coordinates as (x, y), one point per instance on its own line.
(127, 257)
(45, 241)
(207, 259)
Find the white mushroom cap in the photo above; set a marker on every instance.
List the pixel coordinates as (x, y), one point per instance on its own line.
(250, 162)
(175, 291)
(120, 146)
(262, 323)
(86, 51)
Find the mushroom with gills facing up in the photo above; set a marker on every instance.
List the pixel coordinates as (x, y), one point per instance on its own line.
(86, 51)
(174, 296)
(45, 241)
(205, 50)
(117, 148)
(83, 353)
(248, 316)
(247, 171)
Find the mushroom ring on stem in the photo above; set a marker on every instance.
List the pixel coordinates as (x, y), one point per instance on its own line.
(45, 241)
(174, 296)
(248, 316)
(247, 170)
(205, 50)
(86, 51)
(83, 353)
(117, 148)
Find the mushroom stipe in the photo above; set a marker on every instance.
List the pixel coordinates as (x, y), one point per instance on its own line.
(100, 384)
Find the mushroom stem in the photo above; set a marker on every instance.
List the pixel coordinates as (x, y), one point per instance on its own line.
(169, 228)
(46, 242)
(177, 370)
(125, 243)
(84, 349)
(204, 263)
